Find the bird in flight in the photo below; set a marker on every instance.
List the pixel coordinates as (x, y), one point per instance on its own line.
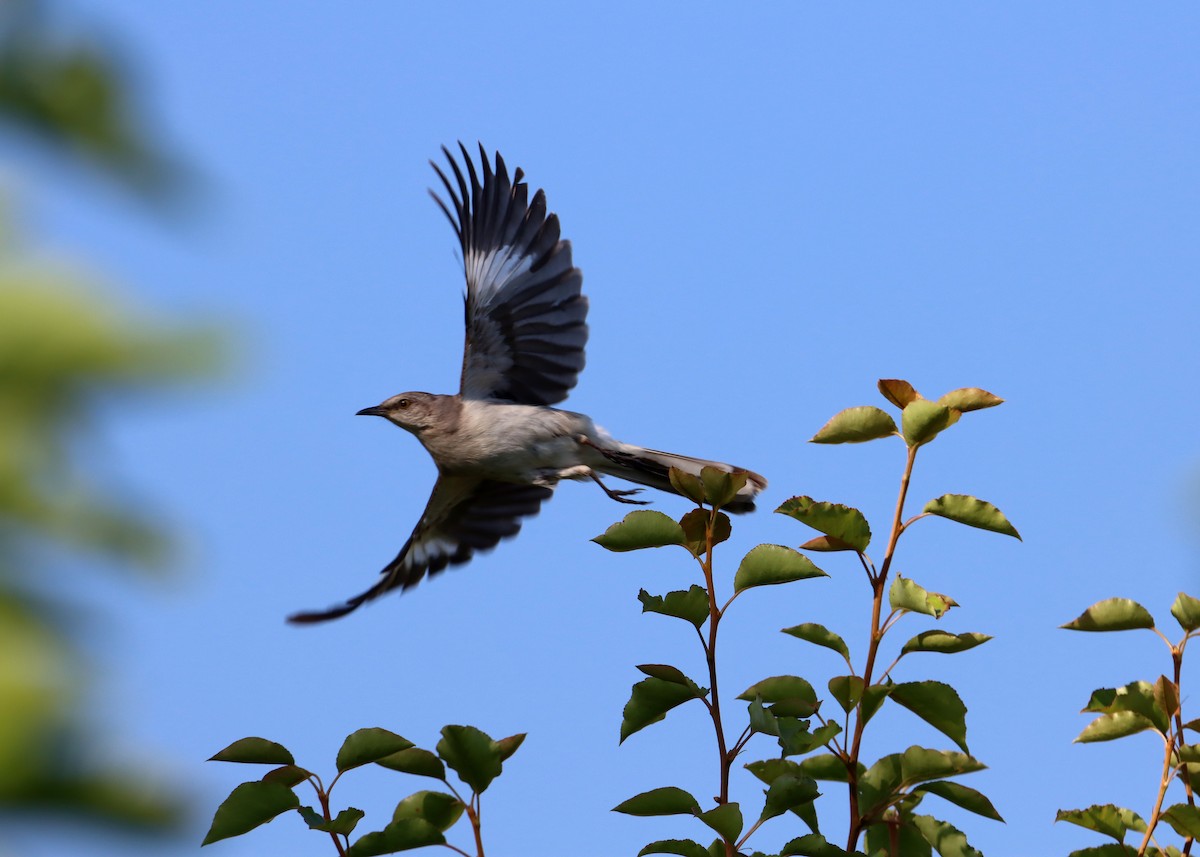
(499, 446)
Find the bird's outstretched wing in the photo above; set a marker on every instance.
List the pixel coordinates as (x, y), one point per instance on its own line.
(464, 514)
(526, 327)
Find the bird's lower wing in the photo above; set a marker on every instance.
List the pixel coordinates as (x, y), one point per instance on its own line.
(464, 515)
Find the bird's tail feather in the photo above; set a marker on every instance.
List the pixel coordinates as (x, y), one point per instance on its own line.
(651, 467)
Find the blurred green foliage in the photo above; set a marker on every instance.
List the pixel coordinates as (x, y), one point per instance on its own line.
(65, 344)
(71, 94)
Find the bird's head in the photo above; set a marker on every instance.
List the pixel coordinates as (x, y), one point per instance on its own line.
(413, 412)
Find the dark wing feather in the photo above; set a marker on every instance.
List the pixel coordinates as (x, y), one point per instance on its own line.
(464, 515)
(525, 312)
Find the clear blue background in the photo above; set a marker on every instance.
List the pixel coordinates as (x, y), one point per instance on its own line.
(773, 207)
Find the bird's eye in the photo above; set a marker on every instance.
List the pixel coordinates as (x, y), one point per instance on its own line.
(403, 403)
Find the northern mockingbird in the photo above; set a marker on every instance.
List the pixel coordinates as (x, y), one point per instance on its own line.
(500, 449)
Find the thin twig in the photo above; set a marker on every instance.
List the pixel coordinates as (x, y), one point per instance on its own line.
(878, 585)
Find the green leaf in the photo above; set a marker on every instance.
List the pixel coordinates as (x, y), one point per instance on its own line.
(510, 745)
(769, 770)
(666, 672)
(1184, 819)
(891, 775)
(960, 795)
(811, 845)
(472, 754)
(1112, 614)
(1137, 696)
(650, 701)
(1186, 611)
(762, 720)
(644, 528)
(937, 704)
(346, 821)
(286, 775)
(369, 745)
(820, 635)
(788, 791)
(971, 511)
(899, 393)
(721, 486)
(682, 847)
(248, 806)
(255, 751)
(690, 605)
(969, 399)
(1189, 753)
(856, 425)
(909, 841)
(1109, 727)
(416, 761)
(847, 690)
(827, 767)
(874, 697)
(667, 800)
(687, 484)
(845, 523)
(766, 565)
(726, 820)
(907, 595)
(1110, 820)
(946, 838)
(1111, 849)
(920, 764)
(695, 530)
(921, 421)
(344, 824)
(439, 809)
(828, 544)
(795, 739)
(311, 817)
(943, 642)
(789, 689)
(397, 836)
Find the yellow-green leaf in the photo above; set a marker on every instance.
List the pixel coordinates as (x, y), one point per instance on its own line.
(971, 511)
(1112, 614)
(856, 425)
(969, 399)
(922, 419)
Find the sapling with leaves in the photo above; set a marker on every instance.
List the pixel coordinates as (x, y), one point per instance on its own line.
(1138, 707)
(883, 796)
(665, 686)
(419, 820)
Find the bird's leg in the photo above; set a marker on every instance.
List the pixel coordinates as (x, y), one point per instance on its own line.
(621, 496)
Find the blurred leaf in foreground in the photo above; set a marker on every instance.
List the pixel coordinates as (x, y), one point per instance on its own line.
(67, 348)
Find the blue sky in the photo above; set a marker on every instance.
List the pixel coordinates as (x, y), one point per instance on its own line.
(772, 209)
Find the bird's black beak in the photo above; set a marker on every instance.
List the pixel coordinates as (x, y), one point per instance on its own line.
(373, 411)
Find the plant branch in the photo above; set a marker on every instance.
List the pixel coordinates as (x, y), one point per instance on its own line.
(323, 796)
(878, 586)
(1177, 659)
(710, 654)
(473, 814)
(1162, 792)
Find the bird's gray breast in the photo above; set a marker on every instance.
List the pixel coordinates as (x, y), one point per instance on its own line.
(514, 443)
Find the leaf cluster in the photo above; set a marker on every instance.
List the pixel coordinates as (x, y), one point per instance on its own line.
(420, 819)
(1143, 707)
(816, 744)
